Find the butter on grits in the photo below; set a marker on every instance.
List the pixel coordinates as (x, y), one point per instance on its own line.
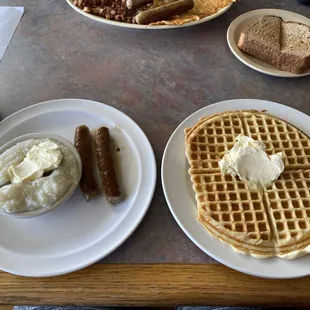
(23, 185)
(41, 158)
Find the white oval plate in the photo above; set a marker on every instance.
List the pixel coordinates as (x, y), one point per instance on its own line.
(181, 199)
(78, 233)
(135, 26)
(245, 20)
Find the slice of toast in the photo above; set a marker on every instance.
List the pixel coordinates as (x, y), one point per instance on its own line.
(262, 39)
(285, 45)
(295, 47)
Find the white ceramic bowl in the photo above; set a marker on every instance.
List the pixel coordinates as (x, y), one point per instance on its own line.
(66, 143)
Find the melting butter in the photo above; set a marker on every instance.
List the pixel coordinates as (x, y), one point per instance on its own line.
(250, 162)
(41, 158)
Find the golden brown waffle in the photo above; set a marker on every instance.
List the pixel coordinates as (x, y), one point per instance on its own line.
(279, 136)
(233, 213)
(211, 139)
(274, 223)
(288, 206)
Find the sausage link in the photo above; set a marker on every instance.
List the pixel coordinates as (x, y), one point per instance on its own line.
(82, 142)
(106, 167)
(164, 11)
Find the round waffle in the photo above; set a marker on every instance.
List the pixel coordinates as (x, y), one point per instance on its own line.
(273, 223)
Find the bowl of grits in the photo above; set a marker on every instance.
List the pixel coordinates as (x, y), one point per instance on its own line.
(38, 173)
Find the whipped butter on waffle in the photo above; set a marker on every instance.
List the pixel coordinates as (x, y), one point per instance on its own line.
(250, 162)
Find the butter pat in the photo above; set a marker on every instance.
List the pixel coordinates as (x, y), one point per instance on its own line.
(40, 159)
(25, 171)
(47, 155)
(250, 162)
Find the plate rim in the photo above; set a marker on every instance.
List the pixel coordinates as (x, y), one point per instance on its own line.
(241, 56)
(177, 219)
(139, 217)
(147, 27)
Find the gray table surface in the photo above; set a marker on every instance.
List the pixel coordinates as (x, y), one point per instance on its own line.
(158, 78)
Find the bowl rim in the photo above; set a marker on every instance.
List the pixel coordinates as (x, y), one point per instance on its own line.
(68, 194)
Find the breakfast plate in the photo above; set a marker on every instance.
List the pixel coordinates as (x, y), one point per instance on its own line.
(244, 20)
(159, 27)
(180, 196)
(78, 233)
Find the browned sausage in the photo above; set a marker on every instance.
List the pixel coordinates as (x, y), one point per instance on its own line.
(82, 142)
(164, 11)
(106, 166)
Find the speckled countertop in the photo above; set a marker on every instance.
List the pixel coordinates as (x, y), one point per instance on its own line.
(158, 78)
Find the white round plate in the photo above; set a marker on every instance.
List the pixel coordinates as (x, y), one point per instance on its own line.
(135, 26)
(181, 199)
(244, 20)
(78, 233)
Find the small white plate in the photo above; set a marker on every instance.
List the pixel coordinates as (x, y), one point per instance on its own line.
(244, 20)
(68, 194)
(78, 233)
(135, 26)
(181, 199)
